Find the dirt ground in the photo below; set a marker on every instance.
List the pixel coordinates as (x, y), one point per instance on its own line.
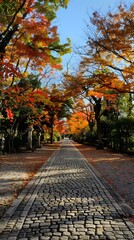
(16, 170)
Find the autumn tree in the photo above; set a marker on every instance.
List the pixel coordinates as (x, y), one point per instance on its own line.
(105, 73)
(77, 124)
(110, 49)
(28, 39)
(29, 42)
(58, 107)
(88, 99)
(25, 101)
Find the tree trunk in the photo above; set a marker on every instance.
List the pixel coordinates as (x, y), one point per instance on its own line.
(130, 102)
(97, 110)
(52, 126)
(51, 135)
(39, 140)
(100, 143)
(30, 130)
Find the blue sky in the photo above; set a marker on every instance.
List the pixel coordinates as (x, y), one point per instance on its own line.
(72, 21)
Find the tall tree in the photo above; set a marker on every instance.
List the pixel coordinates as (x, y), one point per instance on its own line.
(97, 99)
(106, 69)
(109, 51)
(27, 37)
(58, 107)
(29, 42)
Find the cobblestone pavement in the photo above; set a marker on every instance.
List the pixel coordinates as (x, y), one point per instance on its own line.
(65, 200)
(116, 168)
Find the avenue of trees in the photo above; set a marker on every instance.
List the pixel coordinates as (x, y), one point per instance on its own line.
(96, 100)
(103, 85)
(30, 49)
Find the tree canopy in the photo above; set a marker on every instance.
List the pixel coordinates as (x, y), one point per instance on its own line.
(30, 49)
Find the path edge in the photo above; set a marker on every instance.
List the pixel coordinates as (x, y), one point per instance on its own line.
(127, 210)
(10, 211)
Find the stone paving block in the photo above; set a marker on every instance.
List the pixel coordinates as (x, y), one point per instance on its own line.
(66, 200)
(44, 238)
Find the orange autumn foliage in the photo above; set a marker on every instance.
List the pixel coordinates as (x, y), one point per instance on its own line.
(77, 123)
(29, 41)
(111, 50)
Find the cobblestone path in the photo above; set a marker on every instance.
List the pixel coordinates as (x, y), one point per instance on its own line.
(65, 201)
